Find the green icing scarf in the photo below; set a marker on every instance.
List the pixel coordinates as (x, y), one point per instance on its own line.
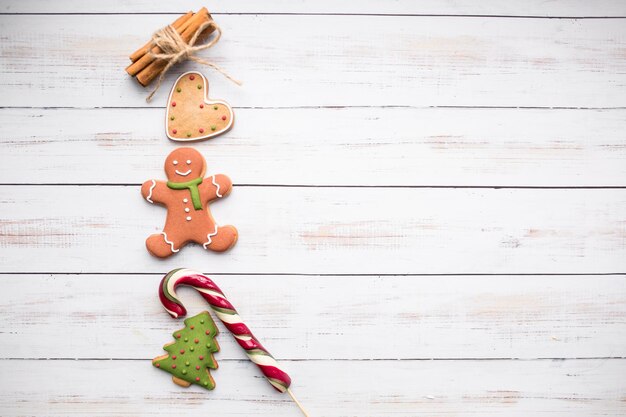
(192, 186)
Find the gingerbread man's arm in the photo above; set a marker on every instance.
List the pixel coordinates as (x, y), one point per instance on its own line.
(216, 186)
(154, 191)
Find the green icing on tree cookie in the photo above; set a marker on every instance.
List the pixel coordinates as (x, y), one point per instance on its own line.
(190, 356)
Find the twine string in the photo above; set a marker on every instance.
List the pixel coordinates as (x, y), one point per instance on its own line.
(175, 50)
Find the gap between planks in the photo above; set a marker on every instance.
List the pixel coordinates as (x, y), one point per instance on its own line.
(335, 274)
(581, 358)
(326, 106)
(408, 15)
(471, 187)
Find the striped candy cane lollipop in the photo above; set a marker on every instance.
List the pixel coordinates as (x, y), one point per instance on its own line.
(229, 316)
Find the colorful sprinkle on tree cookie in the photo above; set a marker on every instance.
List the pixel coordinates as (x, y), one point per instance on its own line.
(190, 356)
(191, 115)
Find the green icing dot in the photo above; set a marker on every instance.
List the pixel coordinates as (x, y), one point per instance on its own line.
(199, 86)
(172, 118)
(184, 372)
(188, 135)
(178, 90)
(191, 348)
(206, 383)
(201, 321)
(213, 127)
(186, 339)
(208, 345)
(214, 107)
(187, 363)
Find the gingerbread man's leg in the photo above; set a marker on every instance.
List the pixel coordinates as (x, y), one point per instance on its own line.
(221, 238)
(161, 246)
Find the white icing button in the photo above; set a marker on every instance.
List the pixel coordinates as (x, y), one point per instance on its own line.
(188, 218)
(185, 200)
(188, 161)
(187, 210)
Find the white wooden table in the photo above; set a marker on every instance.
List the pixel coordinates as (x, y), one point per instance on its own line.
(431, 199)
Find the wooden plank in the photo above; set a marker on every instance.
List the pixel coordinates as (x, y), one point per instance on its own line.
(494, 147)
(328, 61)
(324, 230)
(328, 317)
(578, 8)
(328, 388)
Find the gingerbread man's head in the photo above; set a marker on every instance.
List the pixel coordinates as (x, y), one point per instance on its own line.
(184, 164)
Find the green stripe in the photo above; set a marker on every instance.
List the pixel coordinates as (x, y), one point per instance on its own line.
(258, 352)
(224, 310)
(165, 282)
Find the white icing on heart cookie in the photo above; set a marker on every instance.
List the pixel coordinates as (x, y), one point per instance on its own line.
(191, 115)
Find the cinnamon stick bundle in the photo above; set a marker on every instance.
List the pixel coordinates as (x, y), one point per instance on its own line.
(145, 67)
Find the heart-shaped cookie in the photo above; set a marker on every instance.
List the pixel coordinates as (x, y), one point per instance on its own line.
(191, 115)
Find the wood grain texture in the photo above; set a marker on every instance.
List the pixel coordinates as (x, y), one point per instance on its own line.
(324, 230)
(327, 388)
(328, 317)
(414, 61)
(361, 94)
(578, 8)
(365, 146)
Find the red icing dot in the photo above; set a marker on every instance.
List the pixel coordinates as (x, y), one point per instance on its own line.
(174, 131)
(195, 340)
(192, 327)
(182, 351)
(173, 366)
(201, 130)
(192, 77)
(197, 378)
(201, 357)
(174, 357)
(173, 104)
(198, 367)
(178, 336)
(158, 365)
(223, 117)
(207, 332)
(202, 106)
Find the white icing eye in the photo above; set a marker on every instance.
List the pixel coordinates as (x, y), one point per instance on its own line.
(188, 161)
(175, 162)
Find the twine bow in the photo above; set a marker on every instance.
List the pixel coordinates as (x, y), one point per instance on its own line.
(175, 49)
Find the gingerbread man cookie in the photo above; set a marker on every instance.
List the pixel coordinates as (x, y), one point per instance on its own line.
(191, 115)
(187, 195)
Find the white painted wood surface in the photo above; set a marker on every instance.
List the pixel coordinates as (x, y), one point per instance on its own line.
(538, 8)
(430, 195)
(366, 146)
(329, 388)
(325, 230)
(411, 317)
(335, 60)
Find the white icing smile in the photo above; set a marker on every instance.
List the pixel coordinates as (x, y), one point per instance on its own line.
(184, 174)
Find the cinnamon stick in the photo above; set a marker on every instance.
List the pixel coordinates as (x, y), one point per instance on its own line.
(151, 71)
(177, 24)
(136, 67)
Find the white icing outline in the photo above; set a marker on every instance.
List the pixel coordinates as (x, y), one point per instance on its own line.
(217, 186)
(169, 242)
(209, 236)
(149, 198)
(182, 174)
(206, 101)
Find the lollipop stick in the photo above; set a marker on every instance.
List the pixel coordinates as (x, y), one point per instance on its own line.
(295, 400)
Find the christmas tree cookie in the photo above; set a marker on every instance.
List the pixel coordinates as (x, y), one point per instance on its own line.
(190, 356)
